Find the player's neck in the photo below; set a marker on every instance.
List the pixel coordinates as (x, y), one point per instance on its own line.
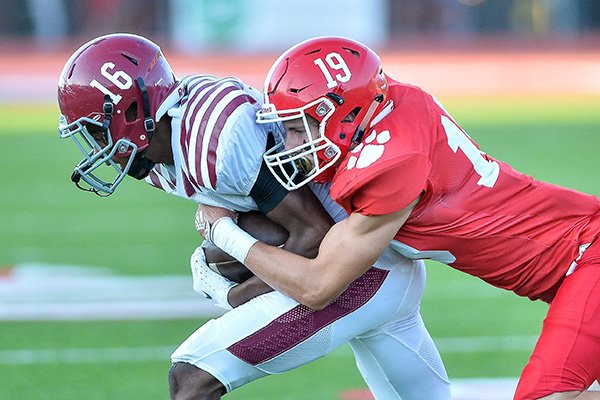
(159, 150)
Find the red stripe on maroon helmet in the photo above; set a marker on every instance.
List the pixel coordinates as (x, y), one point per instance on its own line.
(300, 323)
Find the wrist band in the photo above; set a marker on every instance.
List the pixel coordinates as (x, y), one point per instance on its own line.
(230, 238)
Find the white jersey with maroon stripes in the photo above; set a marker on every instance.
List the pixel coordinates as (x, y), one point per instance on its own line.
(217, 145)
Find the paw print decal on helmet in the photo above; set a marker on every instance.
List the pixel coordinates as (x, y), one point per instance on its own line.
(369, 151)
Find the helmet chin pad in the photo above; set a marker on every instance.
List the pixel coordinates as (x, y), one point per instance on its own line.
(140, 167)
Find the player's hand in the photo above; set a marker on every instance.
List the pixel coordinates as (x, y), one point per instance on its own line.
(207, 282)
(208, 216)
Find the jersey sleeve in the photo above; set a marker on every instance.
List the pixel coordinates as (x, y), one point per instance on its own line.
(335, 211)
(267, 192)
(240, 152)
(390, 187)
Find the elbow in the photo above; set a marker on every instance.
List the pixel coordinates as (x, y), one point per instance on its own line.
(318, 305)
(315, 303)
(317, 298)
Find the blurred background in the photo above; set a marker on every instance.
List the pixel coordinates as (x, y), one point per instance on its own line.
(96, 293)
(214, 36)
(246, 25)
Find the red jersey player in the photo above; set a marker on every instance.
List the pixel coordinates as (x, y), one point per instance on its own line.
(409, 175)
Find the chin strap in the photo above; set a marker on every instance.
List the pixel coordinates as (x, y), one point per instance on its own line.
(108, 108)
(360, 131)
(141, 166)
(149, 124)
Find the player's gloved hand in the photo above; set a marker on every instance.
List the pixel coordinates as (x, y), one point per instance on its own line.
(219, 226)
(207, 282)
(203, 218)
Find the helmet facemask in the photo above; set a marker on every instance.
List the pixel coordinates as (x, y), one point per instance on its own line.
(100, 173)
(294, 167)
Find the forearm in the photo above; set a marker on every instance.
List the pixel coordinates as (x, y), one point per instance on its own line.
(247, 290)
(347, 251)
(343, 256)
(300, 278)
(312, 282)
(254, 286)
(307, 223)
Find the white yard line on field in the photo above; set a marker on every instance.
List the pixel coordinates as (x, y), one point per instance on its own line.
(475, 344)
(35, 292)
(462, 389)
(119, 310)
(486, 344)
(42, 292)
(85, 356)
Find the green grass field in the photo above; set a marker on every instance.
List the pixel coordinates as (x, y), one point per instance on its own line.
(481, 331)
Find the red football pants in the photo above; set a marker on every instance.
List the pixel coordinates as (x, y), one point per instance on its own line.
(567, 354)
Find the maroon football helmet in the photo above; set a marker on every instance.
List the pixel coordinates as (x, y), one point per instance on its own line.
(108, 94)
(339, 83)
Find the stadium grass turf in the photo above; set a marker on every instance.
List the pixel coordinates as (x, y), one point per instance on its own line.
(142, 231)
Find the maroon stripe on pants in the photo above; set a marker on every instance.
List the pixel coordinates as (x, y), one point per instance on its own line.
(300, 323)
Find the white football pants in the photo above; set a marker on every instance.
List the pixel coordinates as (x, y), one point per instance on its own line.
(378, 315)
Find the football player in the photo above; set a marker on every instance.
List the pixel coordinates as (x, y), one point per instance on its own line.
(411, 178)
(197, 138)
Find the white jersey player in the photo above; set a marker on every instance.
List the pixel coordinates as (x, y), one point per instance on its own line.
(197, 138)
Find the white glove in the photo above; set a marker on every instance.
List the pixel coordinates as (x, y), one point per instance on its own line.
(209, 283)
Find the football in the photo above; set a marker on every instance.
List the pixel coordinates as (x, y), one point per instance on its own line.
(259, 226)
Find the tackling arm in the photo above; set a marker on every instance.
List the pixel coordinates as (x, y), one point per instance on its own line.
(307, 222)
(348, 250)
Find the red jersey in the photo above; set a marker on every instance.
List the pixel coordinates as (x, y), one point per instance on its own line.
(476, 214)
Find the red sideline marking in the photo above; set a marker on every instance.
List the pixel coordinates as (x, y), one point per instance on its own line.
(356, 395)
(6, 271)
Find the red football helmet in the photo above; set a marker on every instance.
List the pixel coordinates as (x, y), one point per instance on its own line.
(108, 94)
(338, 82)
